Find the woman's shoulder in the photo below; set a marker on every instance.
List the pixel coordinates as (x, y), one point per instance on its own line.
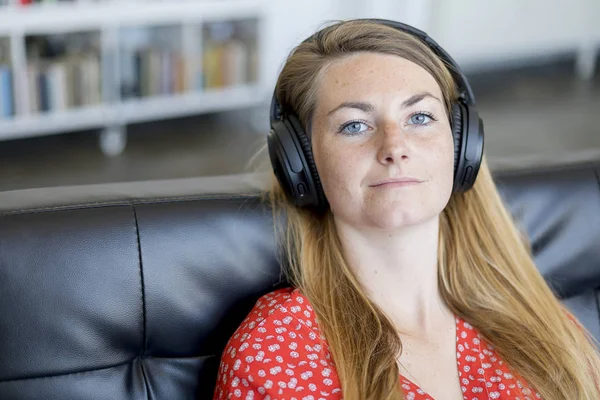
(287, 300)
(278, 308)
(278, 350)
(282, 315)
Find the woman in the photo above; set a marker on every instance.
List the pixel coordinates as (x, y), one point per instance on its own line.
(405, 284)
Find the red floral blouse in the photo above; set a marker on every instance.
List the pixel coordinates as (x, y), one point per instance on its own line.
(278, 352)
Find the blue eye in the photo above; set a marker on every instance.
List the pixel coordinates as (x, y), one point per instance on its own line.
(421, 118)
(354, 128)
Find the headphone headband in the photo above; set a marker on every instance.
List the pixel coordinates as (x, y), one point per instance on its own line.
(465, 92)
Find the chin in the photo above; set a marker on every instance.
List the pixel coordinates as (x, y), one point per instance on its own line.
(396, 218)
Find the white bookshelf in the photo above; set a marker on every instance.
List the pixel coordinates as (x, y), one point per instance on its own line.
(111, 20)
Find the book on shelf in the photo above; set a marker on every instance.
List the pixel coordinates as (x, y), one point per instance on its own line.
(225, 64)
(151, 72)
(6, 92)
(63, 71)
(7, 100)
(228, 54)
(61, 84)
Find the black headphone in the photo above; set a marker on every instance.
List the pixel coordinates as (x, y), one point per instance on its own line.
(291, 153)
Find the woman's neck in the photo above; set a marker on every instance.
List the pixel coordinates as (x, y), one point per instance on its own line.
(399, 272)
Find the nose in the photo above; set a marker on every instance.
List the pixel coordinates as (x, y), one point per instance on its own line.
(393, 144)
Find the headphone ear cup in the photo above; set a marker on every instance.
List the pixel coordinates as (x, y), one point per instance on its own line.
(308, 156)
(277, 155)
(457, 134)
(467, 130)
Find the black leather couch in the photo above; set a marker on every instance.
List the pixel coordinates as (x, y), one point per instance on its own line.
(130, 291)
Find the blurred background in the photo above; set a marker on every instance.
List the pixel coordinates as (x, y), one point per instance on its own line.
(97, 91)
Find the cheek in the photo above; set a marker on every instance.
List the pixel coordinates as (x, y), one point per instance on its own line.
(339, 173)
(444, 165)
(437, 161)
(334, 172)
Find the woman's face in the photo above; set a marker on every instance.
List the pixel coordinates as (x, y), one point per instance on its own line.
(380, 119)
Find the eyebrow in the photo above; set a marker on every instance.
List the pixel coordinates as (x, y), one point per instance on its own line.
(368, 107)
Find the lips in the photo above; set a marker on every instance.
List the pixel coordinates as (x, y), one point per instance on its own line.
(404, 181)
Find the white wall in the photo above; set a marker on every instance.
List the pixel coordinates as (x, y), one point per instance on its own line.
(478, 34)
(291, 21)
(288, 23)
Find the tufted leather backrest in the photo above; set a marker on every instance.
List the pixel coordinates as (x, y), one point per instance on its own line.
(109, 294)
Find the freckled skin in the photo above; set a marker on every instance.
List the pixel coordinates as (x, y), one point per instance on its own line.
(391, 145)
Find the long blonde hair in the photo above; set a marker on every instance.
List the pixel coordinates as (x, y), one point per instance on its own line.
(486, 272)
